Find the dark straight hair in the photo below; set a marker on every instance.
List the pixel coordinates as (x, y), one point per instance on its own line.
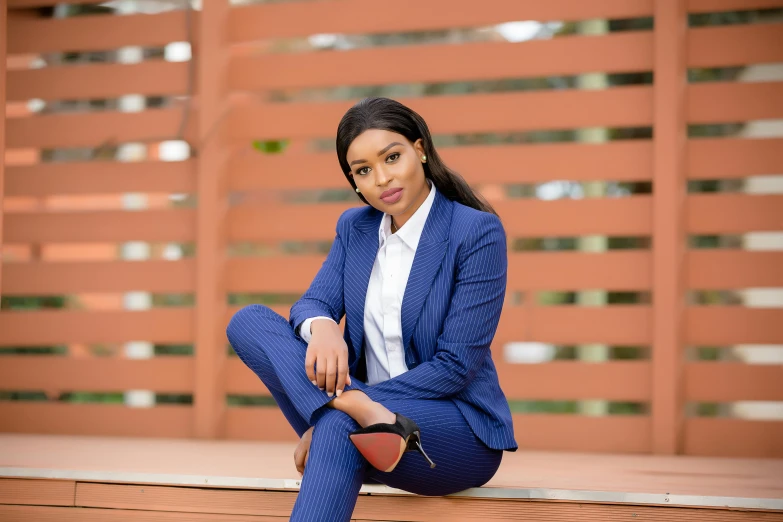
(391, 115)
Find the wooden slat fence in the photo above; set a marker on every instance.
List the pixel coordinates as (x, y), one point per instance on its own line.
(232, 107)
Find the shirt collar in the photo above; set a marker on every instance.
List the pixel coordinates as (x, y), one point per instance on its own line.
(411, 231)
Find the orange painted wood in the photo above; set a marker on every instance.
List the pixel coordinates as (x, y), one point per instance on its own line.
(611, 434)
(729, 102)
(103, 374)
(94, 129)
(720, 158)
(75, 82)
(733, 269)
(400, 508)
(351, 16)
(500, 112)
(617, 324)
(240, 380)
(101, 177)
(61, 514)
(729, 382)
(96, 33)
(95, 419)
(569, 380)
(540, 271)
(211, 173)
(3, 46)
(734, 213)
(185, 500)
(521, 218)
(707, 6)
(722, 437)
(728, 46)
(161, 325)
(100, 226)
(257, 423)
(726, 325)
(37, 492)
(96, 276)
(668, 228)
(620, 52)
(629, 160)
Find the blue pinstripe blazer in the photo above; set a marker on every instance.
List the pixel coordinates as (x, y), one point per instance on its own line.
(450, 309)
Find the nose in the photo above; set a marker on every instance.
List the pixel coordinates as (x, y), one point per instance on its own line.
(382, 176)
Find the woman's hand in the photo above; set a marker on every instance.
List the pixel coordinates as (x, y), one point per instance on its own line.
(302, 450)
(326, 362)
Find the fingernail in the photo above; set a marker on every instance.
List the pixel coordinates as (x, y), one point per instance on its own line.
(330, 394)
(339, 392)
(314, 382)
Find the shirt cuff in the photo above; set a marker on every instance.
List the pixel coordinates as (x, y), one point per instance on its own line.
(304, 329)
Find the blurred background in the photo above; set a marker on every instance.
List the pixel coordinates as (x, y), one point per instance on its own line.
(168, 162)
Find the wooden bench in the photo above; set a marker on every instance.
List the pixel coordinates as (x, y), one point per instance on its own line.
(70, 478)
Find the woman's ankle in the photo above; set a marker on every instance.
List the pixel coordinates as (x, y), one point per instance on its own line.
(362, 409)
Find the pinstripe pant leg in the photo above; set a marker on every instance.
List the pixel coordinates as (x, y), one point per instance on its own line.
(266, 343)
(333, 474)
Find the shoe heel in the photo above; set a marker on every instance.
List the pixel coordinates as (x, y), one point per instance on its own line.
(420, 449)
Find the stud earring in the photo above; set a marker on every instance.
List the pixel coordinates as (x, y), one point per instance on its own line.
(424, 159)
(358, 191)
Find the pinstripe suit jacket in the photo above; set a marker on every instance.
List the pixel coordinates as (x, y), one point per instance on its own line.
(450, 310)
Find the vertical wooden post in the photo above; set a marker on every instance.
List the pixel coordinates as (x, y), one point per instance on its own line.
(211, 150)
(669, 234)
(3, 58)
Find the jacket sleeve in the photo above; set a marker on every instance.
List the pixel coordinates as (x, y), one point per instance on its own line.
(470, 324)
(324, 297)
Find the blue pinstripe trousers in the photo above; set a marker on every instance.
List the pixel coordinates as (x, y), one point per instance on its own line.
(335, 470)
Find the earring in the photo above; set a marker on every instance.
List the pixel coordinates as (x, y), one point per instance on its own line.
(424, 158)
(358, 191)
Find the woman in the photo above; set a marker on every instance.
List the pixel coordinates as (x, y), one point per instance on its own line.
(420, 275)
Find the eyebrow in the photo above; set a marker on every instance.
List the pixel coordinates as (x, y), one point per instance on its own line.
(387, 147)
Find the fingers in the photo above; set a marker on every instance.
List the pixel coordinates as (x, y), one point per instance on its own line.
(342, 374)
(320, 371)
(331, 374)
(310, 366)
(299, 459)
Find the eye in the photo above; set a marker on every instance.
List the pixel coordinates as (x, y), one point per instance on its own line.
(361, 171)
(393, 155)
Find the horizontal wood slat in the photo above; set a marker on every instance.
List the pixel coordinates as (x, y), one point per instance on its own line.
(97, 33)
(240, 380)
(93, 129)
(521, 218)
(37, 492)
(567, 380)
(351, 16)
(100, 226)
(77, 82)
(68, 514)
(100, 177)
(720, 158)
(733, 269)
(616, 324)
(616, 434)
(162, 325)
(724, 46)
(500, 112)
(709, 6)
(92, 276)
(539, 271)
(726, 325)
(728, 102)
(66, 374)
(95, 419)
(721, 437)
(628, 160)
(620, 52)
(734, 213)
(729, 382)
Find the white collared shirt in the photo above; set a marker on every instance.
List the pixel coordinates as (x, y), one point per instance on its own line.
(385, 354)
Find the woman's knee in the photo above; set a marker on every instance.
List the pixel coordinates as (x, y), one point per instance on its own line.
(247, 323)
(335, 426)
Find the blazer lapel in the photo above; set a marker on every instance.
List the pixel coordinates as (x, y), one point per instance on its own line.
(427, 261)
(362, 250)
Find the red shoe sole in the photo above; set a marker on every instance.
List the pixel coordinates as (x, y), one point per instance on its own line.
(382, 450)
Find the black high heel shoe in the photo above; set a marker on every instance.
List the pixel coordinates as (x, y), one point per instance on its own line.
(383, 444)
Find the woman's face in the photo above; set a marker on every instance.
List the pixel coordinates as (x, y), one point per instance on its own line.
(388, 170)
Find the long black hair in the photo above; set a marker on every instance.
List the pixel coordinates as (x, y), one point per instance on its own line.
(393, 116)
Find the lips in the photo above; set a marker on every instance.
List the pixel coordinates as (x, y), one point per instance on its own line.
(391, 195)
